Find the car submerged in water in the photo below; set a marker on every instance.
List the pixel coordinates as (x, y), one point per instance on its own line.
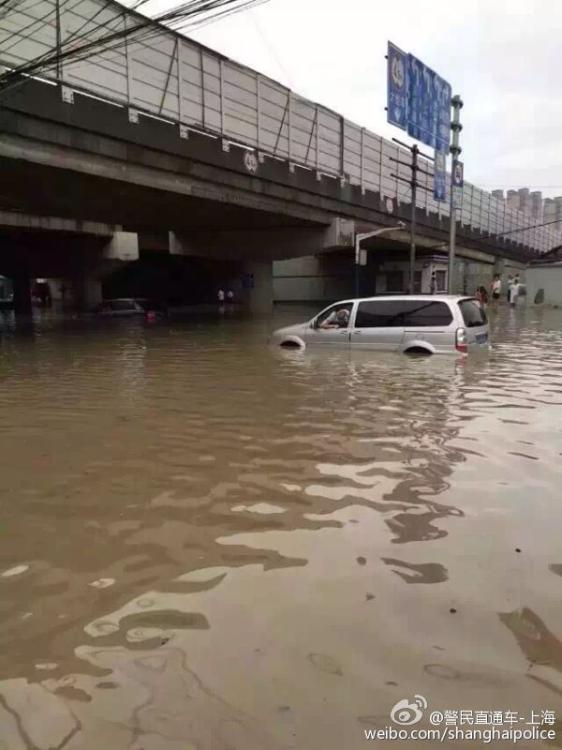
(129, 307)
(412, 324)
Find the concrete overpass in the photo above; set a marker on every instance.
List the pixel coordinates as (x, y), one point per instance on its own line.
(168, 137)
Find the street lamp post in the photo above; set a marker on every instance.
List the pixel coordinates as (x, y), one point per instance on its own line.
(359, 237)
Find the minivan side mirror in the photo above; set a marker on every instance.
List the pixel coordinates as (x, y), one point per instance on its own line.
(314, 323)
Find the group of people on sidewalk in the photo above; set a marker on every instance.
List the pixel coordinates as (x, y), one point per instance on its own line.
(513, 290)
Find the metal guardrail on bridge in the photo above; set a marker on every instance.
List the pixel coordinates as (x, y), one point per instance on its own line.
(166, 75)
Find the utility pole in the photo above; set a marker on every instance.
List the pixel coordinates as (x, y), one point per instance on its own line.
(456, 127)
(58, 42)
(414, 185)
(414, 193)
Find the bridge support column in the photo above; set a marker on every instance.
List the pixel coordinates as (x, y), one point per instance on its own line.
(122, 246)
(87, 291)
(499, 266)
(22, 293)
(258, 283)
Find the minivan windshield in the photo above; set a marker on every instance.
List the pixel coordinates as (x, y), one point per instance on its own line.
(473, 313)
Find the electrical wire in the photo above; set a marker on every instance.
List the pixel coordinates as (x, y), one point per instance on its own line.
(499, 235)
(184, 15)
(141, 35)
(24, 33)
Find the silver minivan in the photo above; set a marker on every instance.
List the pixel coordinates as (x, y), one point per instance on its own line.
(414, 324)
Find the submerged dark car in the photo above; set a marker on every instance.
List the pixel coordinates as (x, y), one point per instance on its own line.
(153, 306)
(119, 308)
(131, 306)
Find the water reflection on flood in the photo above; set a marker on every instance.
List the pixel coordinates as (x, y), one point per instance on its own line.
(210, 544)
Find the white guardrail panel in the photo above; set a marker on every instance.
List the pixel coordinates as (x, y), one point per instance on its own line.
(106, 73)
(167, 75)
(353, 147)
(372, 161)
(303, 131)
(27, 32)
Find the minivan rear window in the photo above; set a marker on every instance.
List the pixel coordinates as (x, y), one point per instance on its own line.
(402, 314)
(428, 314)
(473, 313)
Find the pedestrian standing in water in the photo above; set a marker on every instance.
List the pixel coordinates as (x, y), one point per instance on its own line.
(220, 297)
(509, 285)
(517, 287)
(433, 283)
(513, 291)
(482, 295)
(230, 297)
(496, 288)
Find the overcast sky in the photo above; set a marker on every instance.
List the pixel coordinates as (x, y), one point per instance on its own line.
(502, 56)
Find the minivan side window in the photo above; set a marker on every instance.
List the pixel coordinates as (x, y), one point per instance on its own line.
(379, 314)
(427, 314)
(473, 313)
(333, 317)
(404, 313)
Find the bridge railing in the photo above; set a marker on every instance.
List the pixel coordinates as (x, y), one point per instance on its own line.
(161, 73)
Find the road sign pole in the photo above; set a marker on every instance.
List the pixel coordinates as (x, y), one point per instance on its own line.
(414, 185)
(456, 127)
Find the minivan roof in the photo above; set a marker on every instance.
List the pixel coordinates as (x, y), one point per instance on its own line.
(413, 297)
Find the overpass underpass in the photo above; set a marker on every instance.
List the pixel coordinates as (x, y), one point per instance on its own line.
(82, 173)
(168, 136)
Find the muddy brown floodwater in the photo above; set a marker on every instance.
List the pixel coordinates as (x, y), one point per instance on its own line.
(210, 545)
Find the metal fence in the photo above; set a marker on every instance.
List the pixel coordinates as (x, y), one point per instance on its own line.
(167, 75)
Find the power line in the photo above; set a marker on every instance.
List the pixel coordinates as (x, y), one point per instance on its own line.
(500, 235)
(503, 186)
(272, 50)
(23, 34)
(181, 16)
(524, 229)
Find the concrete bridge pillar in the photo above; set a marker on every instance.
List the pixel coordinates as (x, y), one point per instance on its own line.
(122, 246)
(499, 267)
(22, 293)
(87, 291)
(257, 285)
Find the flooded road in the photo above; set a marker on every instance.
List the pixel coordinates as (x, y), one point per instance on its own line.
(208, 545)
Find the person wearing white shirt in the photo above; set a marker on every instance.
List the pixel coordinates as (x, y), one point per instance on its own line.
(513, 291)
(496, 288)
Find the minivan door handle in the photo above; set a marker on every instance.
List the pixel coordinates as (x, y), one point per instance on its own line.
(357, 330)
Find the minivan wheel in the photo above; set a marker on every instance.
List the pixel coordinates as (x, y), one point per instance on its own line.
(290, 345)
(420, 351)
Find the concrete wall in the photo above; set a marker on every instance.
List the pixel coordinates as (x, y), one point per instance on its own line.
(471, 274)
(313, 278)
(548, 278)
(425, 267)
(330, 276)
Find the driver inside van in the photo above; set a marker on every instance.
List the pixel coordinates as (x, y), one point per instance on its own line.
(336, 319)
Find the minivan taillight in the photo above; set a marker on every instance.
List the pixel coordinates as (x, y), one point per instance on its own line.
(461, 342)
